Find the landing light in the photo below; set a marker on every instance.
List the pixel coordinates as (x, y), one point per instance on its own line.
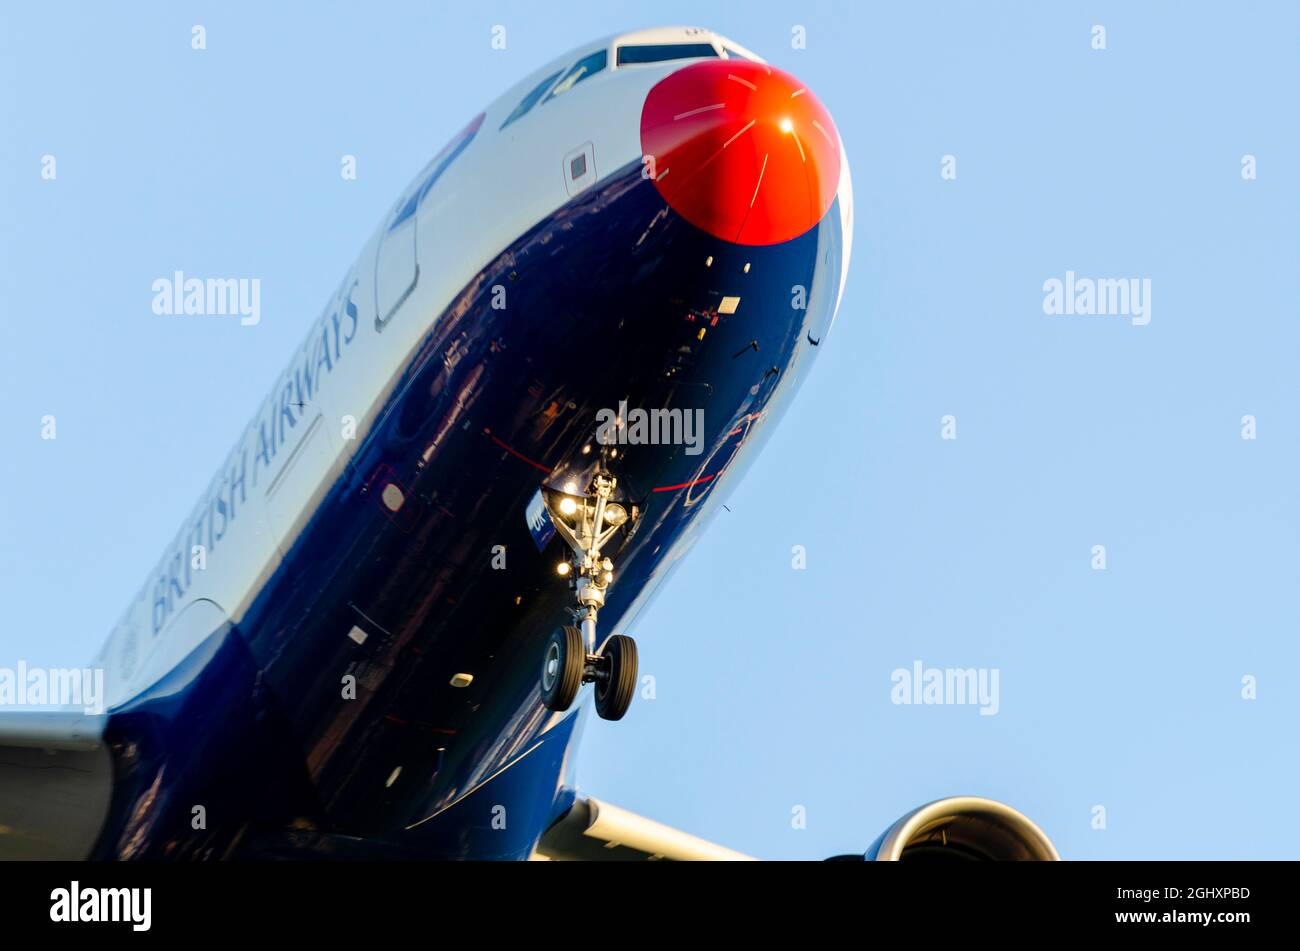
(786, 125)
(568, 506)
(615, 514)
(563, 568)
(392, 497)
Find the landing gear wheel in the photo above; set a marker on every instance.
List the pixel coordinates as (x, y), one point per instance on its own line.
(616, 679)
(563, 663)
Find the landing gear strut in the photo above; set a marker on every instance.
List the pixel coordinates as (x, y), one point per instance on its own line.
(570, 660)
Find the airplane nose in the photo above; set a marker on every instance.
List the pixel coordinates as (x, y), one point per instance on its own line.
(742, 150)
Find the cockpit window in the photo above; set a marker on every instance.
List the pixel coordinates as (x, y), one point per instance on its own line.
(736, 54)
(660, 52)
(584, 68)
(531, 99)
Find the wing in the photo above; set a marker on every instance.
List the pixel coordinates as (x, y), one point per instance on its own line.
(597, 831)
(56, 778)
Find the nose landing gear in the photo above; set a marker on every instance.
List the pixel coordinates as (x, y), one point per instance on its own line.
(566, 666)
(570, 659)
(616, 677)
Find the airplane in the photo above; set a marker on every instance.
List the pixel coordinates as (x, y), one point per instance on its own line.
(375, 634)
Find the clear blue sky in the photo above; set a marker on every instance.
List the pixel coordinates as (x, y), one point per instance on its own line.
(1119, 688)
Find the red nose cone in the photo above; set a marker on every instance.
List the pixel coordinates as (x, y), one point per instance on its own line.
(741, 150)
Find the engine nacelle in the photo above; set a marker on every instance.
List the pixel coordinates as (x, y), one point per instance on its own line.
(963, 829)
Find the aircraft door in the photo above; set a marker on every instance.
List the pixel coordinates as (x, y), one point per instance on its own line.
(397, 270)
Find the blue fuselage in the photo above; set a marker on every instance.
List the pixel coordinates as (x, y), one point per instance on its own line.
(325, 722)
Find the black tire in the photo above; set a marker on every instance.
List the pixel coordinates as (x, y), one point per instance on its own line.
(562, 665)
(614, 692)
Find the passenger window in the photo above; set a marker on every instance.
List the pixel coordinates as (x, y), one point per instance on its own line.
(531, 99)
(584, 68)
(660, 52)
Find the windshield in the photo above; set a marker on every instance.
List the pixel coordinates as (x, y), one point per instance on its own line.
(660, 52)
